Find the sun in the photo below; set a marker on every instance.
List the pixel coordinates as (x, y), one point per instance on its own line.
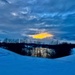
(42, 35)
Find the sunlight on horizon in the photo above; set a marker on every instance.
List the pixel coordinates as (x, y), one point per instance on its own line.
(42, 35)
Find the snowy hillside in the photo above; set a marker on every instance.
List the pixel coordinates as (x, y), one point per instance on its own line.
(14, 64)
(23, 18)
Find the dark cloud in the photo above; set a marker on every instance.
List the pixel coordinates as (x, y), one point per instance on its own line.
(18, 16)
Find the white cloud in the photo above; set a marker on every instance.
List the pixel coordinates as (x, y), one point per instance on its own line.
(14, 14)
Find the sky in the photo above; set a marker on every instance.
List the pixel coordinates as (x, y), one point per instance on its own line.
(20, 18)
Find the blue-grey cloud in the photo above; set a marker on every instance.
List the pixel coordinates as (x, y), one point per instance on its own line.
(23, 17)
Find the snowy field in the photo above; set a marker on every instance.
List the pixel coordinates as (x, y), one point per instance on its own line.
(23, 18)
(14, 64)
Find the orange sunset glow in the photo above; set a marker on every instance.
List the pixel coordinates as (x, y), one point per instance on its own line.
(42, 35)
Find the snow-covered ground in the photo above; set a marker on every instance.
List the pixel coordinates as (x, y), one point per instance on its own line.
(14, 64)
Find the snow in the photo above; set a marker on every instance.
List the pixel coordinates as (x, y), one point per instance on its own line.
(14, 64)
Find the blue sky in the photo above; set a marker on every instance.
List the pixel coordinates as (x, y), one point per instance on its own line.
(20, 18)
